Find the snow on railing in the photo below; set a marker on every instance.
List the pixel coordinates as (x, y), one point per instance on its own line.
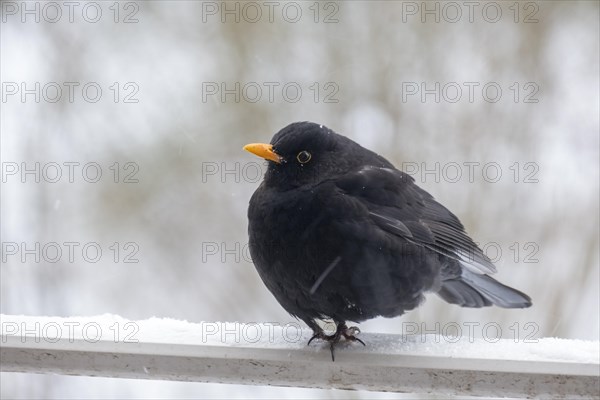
(267, 354)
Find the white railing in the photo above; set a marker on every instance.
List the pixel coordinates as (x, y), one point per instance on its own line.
(265, 354)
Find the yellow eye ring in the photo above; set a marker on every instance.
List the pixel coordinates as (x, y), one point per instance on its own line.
(303, 157)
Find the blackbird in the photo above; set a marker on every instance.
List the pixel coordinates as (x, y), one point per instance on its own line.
(337, 232)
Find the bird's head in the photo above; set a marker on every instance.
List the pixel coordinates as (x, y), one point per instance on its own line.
(305, 153)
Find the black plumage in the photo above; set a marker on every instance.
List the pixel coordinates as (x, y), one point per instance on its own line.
(337, 232)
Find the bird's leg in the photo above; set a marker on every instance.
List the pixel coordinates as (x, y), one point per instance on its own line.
(342, 331)
(317, 331)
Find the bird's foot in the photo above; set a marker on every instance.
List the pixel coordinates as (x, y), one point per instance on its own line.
(349, 334)
(342, 331)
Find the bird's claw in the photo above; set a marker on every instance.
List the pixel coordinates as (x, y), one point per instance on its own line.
(341, 331)
(322, 336)
(350, 334)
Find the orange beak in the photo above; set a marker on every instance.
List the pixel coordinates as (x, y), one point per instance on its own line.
(263, 150)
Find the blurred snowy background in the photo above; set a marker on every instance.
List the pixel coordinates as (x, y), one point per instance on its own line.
(493, 108)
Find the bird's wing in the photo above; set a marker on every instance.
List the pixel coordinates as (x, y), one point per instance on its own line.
(397, 205)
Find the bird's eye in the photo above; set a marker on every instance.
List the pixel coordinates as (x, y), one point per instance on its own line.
(303, 157)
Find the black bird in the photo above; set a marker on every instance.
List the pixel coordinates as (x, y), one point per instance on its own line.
(337, 232)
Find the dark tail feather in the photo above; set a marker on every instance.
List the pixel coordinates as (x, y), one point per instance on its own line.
(478, 290)
(457, 292)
